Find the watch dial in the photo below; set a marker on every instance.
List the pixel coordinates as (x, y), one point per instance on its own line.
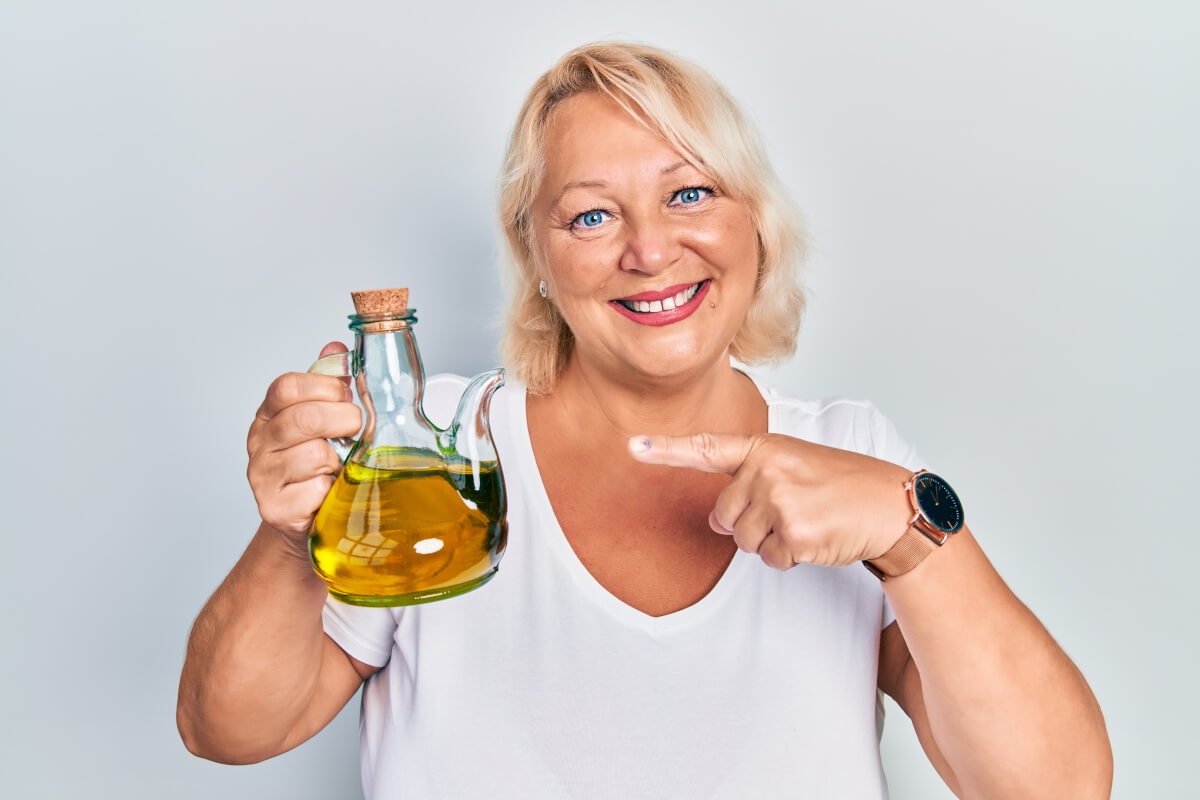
(938, 503)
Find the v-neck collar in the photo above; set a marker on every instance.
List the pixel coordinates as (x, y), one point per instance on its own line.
(557, 542)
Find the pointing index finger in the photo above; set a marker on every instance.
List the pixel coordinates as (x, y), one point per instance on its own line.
(710, 452)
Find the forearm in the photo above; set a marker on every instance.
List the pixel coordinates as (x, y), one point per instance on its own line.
(254, 655)
(1009, 712)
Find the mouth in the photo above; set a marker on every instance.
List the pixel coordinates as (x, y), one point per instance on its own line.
(665, 306)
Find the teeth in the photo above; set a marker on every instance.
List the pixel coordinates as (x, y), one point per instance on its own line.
(667, 304)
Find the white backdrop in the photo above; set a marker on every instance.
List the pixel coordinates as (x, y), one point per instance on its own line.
(1001, 198)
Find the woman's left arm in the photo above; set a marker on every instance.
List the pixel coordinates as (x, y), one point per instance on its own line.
(998, 706)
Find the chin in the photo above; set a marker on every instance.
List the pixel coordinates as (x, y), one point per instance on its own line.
(676, 365)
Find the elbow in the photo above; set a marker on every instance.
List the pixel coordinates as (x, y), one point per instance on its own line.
(189, 734)
(204, 744)
(193, 739)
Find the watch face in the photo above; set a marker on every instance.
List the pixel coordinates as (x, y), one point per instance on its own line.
(939, 504)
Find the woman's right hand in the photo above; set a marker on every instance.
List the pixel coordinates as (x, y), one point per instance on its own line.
(291, 465)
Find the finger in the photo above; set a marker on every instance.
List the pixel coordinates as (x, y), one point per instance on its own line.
(711, 452)
(310, 420)
(300, 387)
(774, 552)
(304, 461)
(294, 507)
(269, 472)
(338, 347)
(716, 525)
(751, 529)
(333, 347)
(731, 503)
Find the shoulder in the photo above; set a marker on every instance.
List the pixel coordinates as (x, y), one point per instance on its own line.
(842, 422)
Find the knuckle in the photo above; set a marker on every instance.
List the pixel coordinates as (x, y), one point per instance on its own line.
(258, 478)
(318, 456)
(777, 494)
(795, 532)
(307, 420)
(781, 561)
(286, 390)
(705, 446)
(775, 472)
(743, 542)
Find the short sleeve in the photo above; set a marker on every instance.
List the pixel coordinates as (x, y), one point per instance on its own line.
(364, 633)
(887, 444)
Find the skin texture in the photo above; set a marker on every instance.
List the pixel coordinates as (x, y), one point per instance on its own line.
(260, 675)
(671, 442)
(649, 239)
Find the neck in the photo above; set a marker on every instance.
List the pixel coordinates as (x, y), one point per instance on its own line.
(717, 400)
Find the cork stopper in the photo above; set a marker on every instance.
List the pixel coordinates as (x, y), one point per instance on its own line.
(380, 301)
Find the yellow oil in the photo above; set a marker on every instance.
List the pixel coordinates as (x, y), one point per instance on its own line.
(409, 528)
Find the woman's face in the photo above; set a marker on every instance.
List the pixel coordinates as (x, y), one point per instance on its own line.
(650, 264)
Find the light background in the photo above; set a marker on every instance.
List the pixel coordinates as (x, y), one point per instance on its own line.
(1001, 198)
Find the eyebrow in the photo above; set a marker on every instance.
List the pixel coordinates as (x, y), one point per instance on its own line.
(601, 184)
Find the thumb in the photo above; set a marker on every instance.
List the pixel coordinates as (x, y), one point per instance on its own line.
(710, 452)
(333, 347)
(338, 347)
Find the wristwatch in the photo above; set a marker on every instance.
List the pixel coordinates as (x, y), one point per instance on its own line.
(937, 515)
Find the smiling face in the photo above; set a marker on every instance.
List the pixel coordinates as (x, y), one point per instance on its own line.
(651, 265)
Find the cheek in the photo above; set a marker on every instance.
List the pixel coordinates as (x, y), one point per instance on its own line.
(731, 243)
(577, 268)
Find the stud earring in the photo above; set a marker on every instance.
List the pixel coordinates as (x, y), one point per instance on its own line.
(543, 289)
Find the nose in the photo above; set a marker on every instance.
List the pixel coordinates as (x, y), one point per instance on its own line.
(651, 245)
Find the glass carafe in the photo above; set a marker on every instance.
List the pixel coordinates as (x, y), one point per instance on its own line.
(417, 512)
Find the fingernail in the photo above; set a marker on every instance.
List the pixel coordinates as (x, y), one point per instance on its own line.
(639, 444)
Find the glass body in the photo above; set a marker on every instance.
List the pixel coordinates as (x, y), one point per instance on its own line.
(417, 513)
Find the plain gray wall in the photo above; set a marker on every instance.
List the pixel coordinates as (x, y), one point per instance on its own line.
(1001, 198)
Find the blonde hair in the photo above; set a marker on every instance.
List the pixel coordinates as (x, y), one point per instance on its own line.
(692, 113)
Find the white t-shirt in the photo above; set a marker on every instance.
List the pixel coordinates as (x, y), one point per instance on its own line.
(541, 684)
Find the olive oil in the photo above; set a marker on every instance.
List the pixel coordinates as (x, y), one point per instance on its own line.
(413, 526)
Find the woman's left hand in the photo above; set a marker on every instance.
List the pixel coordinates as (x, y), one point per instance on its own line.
(793, 501)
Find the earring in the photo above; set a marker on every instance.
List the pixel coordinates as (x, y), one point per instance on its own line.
(543, 289)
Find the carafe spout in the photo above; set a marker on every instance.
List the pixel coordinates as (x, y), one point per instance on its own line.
(470, 434)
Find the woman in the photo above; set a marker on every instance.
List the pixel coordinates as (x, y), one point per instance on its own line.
(680, 612)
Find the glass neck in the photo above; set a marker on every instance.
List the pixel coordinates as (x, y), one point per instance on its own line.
(387, 364)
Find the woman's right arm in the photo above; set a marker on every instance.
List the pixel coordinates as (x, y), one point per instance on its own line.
(260, 675)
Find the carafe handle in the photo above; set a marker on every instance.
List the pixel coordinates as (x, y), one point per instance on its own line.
(337, 365)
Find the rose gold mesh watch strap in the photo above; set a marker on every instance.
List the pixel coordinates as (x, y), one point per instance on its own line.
(903, 556)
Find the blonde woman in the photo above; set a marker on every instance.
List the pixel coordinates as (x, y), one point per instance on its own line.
(682, 610)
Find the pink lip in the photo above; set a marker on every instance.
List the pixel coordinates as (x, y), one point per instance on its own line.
(660, 318)
(670, 291)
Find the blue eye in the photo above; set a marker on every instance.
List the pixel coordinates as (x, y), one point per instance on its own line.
(590, 219)
(692, 194)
